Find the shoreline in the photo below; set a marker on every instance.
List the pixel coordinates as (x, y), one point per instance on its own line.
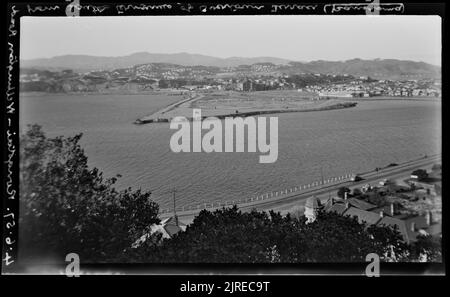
(180, 92)
(290, 200)
(169, 92)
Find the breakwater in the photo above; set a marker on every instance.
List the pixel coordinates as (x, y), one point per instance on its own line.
(252, 113)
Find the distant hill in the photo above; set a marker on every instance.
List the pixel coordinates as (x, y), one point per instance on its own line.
(386, 68)
(88, 63)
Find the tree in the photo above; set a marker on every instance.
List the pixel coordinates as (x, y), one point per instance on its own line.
(342, 190)
(357, 192)
(420, 173)
(223, 236)
(67, 207)
(232, 236)
(336, 238)
(428, 247)
(376, 197)
(389, 242)
(436, 168)
(163, 84)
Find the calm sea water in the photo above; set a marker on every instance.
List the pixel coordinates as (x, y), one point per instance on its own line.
(371, 135)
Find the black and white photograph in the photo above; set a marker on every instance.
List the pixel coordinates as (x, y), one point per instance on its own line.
(224, 139)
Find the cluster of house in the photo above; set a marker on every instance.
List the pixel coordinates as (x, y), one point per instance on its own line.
(261, 84)
(256, 77)
(244, 84)
(352, 89)
(360, 88)
(409, 224)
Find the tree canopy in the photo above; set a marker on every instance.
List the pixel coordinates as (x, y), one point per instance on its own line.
(342, 190)
(67, 207)
(420, 173)
(231, 236)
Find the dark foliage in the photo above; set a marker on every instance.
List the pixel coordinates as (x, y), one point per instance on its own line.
(67, 207)
(232, 236)
(342, 190)
(420, 173)
(429, 246)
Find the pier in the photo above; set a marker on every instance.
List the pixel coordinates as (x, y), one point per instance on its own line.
(159, 117)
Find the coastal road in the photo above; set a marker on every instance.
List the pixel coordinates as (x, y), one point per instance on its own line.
(286, 202)
(395, 173)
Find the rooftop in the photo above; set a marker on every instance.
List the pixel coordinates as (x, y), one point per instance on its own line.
(363, 216)
(409, 226)
(361, 204)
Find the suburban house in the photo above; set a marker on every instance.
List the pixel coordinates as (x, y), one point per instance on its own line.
(167, 227)
(409, 226)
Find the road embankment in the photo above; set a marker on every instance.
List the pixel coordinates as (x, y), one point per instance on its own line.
(158, 117)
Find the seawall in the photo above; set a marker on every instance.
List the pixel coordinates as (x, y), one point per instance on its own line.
(254, 113)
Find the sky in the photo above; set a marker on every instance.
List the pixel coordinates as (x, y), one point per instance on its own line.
(298, 38)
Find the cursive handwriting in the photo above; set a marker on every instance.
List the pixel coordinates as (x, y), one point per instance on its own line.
(333, 8)
(8, 216)
(94, 8)
(9, 164)
(276, 7)
(12, 25)
(186, 7)
(123, 7)
(42, 8)
(232, 7)
(10, 89)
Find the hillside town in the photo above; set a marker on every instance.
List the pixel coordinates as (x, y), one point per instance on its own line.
(244, 78)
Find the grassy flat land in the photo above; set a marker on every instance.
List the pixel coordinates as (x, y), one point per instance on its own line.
(232, 103)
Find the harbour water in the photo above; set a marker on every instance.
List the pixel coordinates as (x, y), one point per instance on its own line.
(336, 142)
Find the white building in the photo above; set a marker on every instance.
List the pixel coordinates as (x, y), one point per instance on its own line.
(312, 207)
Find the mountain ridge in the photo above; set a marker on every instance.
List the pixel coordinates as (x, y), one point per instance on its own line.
(381, 68)
(89, 62)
